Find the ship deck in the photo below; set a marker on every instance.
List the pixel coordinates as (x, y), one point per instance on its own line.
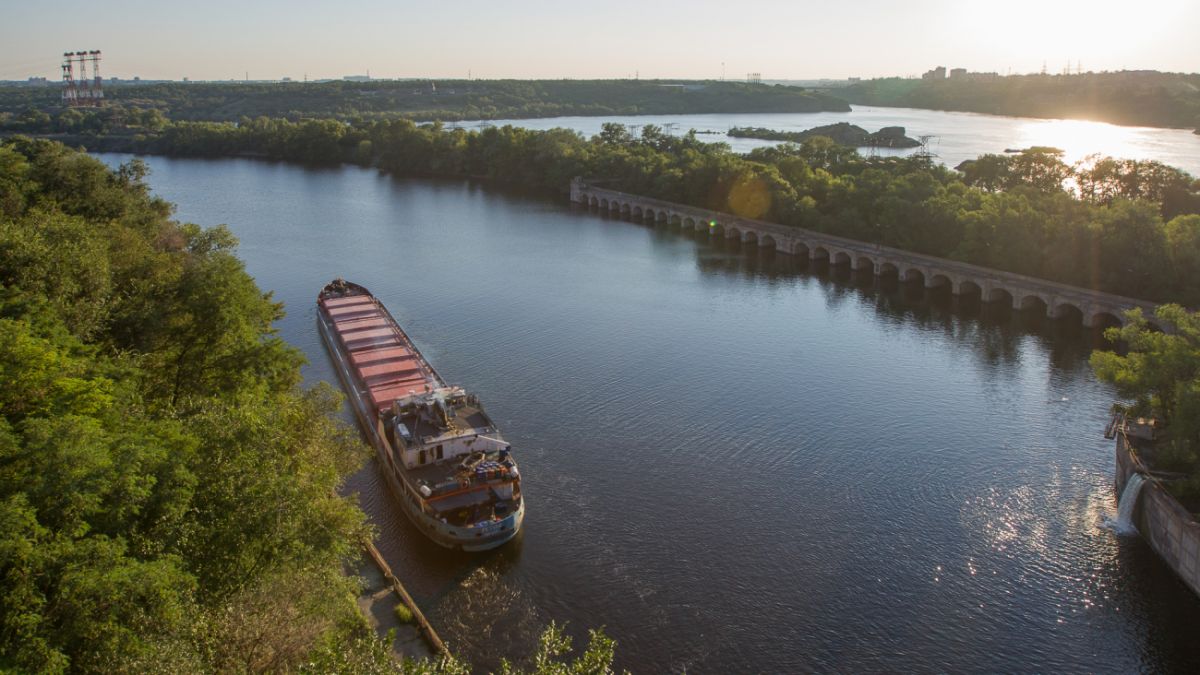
(384, 359)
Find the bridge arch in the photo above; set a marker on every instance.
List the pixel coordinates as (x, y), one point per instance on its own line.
(675, 220)
(1101, 319)
(912, 274)
(864, 263)
(887, 269)
(800, 248)
(636, 212)
(716, 228)
(625, 209)
(1033, 301)
(689, 223)
(749, 237)
(767, 241)
(966, 287)
(662, 217)
(1000, 295)
(819, 253)
(938, 280)
(840, 258)
(1067, 311)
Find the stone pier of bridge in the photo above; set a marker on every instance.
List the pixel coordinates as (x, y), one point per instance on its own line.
(1094, 308)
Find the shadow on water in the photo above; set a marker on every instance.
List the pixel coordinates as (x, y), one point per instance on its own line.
(994, 330)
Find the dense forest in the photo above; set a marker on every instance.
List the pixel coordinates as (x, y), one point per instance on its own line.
(1124, 226)
(445, 100)
(1140, 98)
(168, 492)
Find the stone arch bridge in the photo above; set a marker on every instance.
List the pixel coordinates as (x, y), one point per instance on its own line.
(1094, 308)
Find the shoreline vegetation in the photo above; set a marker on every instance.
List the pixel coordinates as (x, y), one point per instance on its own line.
(1130, 98)
(419, 100)
(168, 491)
(1128, 227)
(1159, 375)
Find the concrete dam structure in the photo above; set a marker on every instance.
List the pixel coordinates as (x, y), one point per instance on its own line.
(1095, 309)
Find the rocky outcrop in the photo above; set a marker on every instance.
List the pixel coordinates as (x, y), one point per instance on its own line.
(842, 133)
(892, 137)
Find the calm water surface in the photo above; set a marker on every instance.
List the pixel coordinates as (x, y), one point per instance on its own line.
(733, 462)
(954, 136)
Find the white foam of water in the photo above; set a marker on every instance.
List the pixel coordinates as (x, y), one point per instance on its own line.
(1123, 523)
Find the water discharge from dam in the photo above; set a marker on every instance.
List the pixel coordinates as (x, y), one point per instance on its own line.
(1123, 524)
(734, 461)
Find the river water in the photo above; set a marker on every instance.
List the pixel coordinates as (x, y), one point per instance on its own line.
(953, 136)
(733, 462)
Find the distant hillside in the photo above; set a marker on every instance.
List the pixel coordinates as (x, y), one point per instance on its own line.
(1141, 98)
(443, 99)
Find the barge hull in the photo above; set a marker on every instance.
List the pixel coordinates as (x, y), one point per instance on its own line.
(386, 352)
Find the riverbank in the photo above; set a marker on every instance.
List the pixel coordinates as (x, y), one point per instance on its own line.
(378, 601)
(1132, 98)
(414, 639)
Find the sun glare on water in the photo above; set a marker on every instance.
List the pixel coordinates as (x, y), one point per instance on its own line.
(1079, 138)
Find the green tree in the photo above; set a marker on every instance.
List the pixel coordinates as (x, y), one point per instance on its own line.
(1161, 370)
(554, 644)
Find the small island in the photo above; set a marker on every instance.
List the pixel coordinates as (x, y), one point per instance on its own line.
(843, 133)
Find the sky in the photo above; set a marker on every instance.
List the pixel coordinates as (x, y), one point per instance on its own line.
(781, 39)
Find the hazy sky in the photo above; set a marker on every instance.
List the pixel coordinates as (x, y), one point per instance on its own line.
(219, 39)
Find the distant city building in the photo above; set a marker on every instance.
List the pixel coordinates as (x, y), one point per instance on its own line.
(958, 73)
(356, 78)
(754, 78)
(38, 82)
(938, 73)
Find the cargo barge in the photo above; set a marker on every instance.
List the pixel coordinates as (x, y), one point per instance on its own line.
(443, 458)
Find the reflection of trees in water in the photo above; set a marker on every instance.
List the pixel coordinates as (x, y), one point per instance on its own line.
(995, 332)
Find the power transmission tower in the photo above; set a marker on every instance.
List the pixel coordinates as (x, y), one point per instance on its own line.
(924, 154)
(79, 91)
